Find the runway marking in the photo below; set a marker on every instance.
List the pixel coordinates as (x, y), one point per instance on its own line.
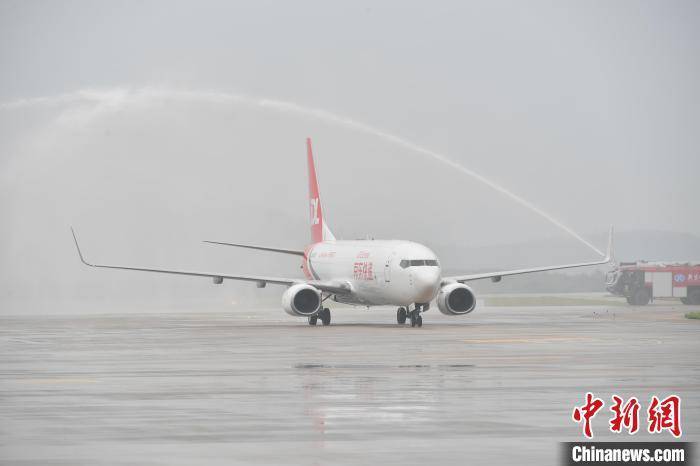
(20, 340)
(57, 381)
(525, 340)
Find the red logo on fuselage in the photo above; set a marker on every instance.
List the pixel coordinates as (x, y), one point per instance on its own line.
(314, 211)
(363, 271)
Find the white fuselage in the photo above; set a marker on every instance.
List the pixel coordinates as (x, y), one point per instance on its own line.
(380, 272)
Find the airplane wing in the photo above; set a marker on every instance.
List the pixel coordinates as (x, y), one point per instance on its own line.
(329, 287)
(496, 276)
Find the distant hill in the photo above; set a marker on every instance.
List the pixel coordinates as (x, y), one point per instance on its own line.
(629, 246)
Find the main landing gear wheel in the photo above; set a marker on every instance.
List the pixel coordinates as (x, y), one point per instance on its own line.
(325, 315)
(401, 315)
(419, 320)
(313, 319)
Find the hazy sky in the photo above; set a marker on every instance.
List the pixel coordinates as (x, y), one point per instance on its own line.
(142, 122)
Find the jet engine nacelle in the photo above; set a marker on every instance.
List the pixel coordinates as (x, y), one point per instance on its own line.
(456, 299)
(301, 300)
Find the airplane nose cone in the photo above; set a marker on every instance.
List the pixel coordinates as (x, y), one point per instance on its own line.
(425, 284)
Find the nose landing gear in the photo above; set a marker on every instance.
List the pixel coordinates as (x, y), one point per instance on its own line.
(414, 316)
(416, 319)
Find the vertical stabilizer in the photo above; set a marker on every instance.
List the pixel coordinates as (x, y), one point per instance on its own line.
(319, 229)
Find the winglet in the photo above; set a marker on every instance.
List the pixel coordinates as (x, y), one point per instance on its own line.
(80, 254)
(610, 254)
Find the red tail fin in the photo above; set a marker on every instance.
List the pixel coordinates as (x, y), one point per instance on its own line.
(319, 230)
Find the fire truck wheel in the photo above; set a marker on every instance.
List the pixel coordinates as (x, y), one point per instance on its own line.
(685, 301)
(641, 297)
(694, 297)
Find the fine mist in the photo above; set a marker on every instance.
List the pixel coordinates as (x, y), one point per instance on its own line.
(145, 175)
(111, 100)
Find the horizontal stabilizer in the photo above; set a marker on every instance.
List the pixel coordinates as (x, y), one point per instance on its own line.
(295, 252)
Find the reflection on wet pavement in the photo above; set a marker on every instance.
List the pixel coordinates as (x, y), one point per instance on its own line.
(494, 387)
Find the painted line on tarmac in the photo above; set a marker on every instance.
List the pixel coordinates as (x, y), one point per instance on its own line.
(56, 381)
(525, 340)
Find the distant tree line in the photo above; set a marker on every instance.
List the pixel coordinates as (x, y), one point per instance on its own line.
(552, 282)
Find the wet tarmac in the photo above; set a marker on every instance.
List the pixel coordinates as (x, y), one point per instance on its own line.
(259, 387)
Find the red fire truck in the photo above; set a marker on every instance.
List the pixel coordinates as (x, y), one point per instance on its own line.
(641, 282)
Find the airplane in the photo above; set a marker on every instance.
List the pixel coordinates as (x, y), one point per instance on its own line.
(361, 272)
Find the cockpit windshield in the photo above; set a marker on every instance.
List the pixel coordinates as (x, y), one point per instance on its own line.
(418, 263)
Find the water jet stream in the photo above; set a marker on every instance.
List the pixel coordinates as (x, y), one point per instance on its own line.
(116, 98)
